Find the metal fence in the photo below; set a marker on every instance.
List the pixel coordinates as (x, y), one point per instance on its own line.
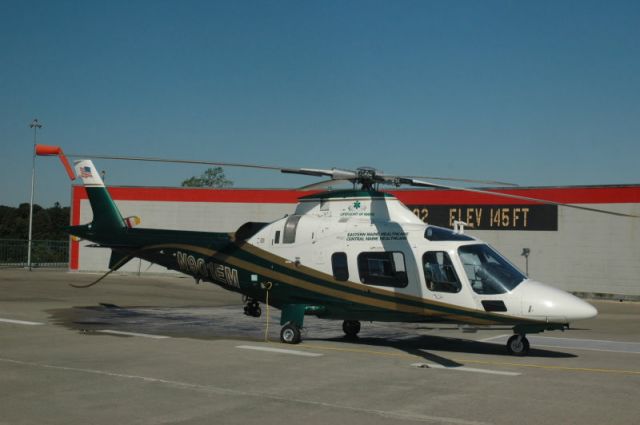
(13, 253)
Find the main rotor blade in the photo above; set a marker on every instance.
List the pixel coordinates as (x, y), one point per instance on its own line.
(454, 179)
(334, 173)
(323, 184)
(419, 183)
(339, 175)
(178, 161)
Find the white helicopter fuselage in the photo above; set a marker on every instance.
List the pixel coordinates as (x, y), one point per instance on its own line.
(372, 239)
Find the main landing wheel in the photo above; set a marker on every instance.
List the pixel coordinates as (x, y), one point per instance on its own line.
(351, 328)
(290, 334)
(518, 345)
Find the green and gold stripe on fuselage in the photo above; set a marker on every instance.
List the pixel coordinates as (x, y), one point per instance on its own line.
(297, 284)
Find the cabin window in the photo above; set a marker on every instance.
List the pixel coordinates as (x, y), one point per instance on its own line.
(439, 272)
(290, 228)
(383, 269)
(340, 267)
(276, 238)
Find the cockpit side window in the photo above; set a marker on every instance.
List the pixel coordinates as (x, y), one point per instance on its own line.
(488, 272)
(439, 273)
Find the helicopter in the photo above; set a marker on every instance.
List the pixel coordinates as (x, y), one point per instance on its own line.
(351, 255)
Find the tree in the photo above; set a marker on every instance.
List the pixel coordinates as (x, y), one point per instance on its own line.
(212, 177)
(48, 223)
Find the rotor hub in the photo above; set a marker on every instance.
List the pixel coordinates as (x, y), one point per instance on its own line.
(367, 177)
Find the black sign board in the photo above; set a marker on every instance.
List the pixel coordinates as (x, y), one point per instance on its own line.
(490, 217)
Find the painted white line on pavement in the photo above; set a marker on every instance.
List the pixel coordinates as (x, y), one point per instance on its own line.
(465, 369)
(20, 322)
(112, 332)
(280, 350)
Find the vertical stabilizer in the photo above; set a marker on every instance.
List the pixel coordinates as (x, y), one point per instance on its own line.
(106, 217)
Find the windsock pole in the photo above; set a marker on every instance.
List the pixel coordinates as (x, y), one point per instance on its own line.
(42, 150)
(35, 125)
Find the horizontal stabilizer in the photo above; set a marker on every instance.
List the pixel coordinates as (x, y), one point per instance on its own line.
(132, 221)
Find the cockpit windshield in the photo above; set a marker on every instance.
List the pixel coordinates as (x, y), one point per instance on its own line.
(488, 271)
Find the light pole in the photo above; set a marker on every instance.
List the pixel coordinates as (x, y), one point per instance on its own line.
(35, 125)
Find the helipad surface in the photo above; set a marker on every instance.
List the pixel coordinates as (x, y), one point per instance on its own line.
(156, 350)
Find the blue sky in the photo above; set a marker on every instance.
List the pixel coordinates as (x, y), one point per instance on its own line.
(537, 93)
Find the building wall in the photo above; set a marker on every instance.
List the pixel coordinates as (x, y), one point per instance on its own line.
(585, 252)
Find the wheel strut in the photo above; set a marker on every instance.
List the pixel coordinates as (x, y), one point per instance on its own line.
(252, 308)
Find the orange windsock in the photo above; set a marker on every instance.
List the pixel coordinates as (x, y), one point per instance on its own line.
(46, 150)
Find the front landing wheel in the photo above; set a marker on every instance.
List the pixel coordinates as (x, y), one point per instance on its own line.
(290, 334)
(518, 345)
